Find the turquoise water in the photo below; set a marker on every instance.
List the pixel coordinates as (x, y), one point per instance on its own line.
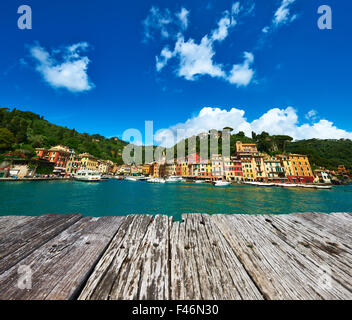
(115, 197)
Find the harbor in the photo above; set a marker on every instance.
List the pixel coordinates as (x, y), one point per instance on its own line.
(203, 257)
(114, 197)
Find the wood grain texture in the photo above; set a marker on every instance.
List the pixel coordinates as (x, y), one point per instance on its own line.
(60, 266)
(278, 269)
(20, 239)
(204, 266)
(232, 257)
(117, 274)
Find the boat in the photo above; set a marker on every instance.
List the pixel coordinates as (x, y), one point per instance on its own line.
(199, 181)
(142, 178)
(222, 183)
(263, 184)
(129, 178)
(312, 186)
(173, 179)
(156, 180)
(324, 187)
(286, 185)
(87, 176)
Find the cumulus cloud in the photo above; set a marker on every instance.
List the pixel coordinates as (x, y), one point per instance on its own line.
(275, 121)
(242, 74)
(197, 59)
(64, 68)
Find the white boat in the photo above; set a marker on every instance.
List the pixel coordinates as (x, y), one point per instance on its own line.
(173, 179)
(324, 187)
(312, 186)
(222, 183)
(265, 184)
(130, 178)
(156, 180)
(199, 181)
(87, 176)
(286, 185)
(142, 178)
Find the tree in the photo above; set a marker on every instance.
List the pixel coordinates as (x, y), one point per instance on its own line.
(6, 139)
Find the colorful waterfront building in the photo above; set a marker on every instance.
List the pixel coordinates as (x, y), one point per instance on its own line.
(89, 162)
(246, 148)
(217, 167)
(104, 166)
(170, 169)
(194, 165)
(233, 169)
(73, 164)
(158, 170)
(274, 169)
(259, 167)
(321, 176)
(297, 168)
(205, 169)
(179, 168)
(248, 168)
(146, 169)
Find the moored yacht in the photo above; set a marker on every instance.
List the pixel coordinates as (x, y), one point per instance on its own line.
(220, 183)
(129, 178)
(87, 176)
(173, 179)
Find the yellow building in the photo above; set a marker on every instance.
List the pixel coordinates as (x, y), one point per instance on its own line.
(297, 168)
(89, 162)
(170, 169)
(246, 147)
(259, 167)
(185, 169)
(205, 169)
(248, 167)
(73, 163)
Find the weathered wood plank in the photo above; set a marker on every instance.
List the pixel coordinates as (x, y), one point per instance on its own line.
(111, 277)
(204, 266)
(60, 267)
(327, 223)
(9, 222)
(22, 239)
(280, 271)
(324, 250)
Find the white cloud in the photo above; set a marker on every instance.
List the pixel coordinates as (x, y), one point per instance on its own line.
(64, 68)
(165, 23)
(242, 74)
(157, 20)
(183, 17)
(275, 121)
(311, 115)
(197, 59)
(281, 16)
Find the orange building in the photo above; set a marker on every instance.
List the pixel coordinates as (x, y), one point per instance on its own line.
(297, 168)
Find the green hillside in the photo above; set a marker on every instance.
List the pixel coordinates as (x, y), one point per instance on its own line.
(23, 131)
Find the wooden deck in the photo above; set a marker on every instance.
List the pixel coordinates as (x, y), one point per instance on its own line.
(297, 256)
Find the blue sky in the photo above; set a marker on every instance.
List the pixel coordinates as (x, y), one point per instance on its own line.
(107, 66)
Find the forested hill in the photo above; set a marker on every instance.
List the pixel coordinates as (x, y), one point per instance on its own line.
(23, 131)
(322, 153)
